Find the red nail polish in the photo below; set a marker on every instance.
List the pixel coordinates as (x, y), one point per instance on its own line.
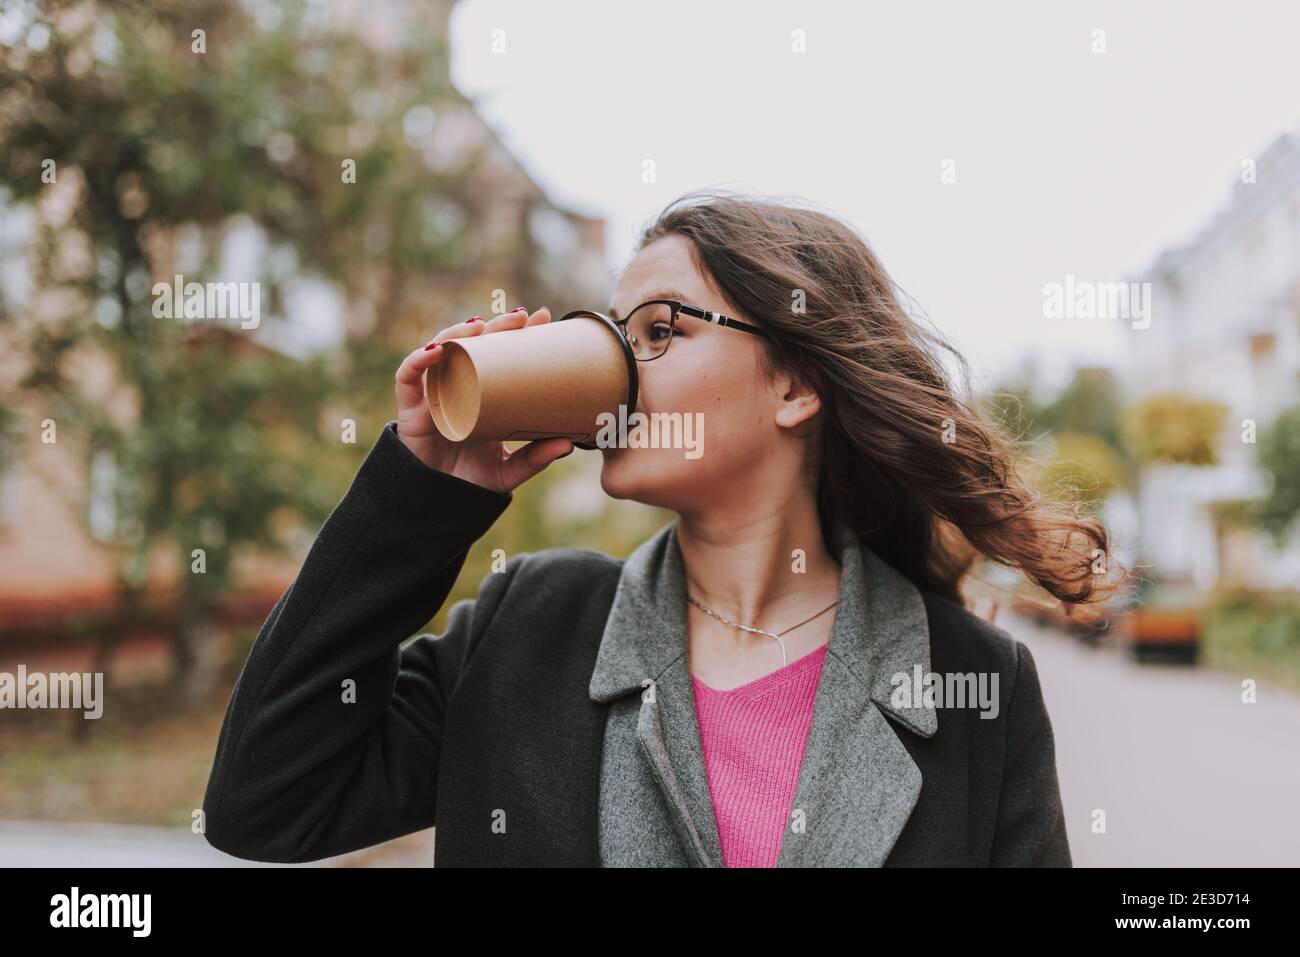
(520, 309)
(475, 319)
(431, 345)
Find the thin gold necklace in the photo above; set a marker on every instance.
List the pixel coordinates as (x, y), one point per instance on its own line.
(760, 631)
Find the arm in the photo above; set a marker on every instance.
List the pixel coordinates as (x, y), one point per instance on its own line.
(1031, 817)
(305, 769)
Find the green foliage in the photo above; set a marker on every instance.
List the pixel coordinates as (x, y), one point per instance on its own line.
(1089, 404)
(1084, 468)
(1256, 634)
(1279, 456)
(8, 437)
(1174, 429)
(259, 124)
(217, 441)
(1014, 408)
(1083, 461)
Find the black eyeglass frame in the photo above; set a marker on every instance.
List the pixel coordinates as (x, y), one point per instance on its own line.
(678, 307)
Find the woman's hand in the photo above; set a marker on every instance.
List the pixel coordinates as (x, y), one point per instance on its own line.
(483, 463)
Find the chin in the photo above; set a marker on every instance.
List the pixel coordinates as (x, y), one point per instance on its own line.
(640, 475)
(619, 476)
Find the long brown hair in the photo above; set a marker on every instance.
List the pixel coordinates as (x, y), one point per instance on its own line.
(909, 465)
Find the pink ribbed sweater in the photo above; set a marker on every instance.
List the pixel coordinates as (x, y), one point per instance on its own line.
(753, 738)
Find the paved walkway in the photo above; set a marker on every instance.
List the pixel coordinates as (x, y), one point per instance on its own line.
(52, 844)
(1187, 775)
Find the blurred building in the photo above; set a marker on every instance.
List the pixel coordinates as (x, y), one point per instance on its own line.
(1225, 326)
(522, 244)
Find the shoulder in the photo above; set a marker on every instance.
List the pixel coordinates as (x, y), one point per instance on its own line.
(552, 581)
(561, 594)
(563, 567)
(962, 641)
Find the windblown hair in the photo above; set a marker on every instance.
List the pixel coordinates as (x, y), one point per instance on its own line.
(910, 466)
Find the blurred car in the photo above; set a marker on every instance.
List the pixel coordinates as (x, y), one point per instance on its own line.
(1162, 621)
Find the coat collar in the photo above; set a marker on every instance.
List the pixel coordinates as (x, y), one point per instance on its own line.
(858, 784)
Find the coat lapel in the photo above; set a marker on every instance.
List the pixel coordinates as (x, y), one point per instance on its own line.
(679, 767)
(858, 784)
(644, 649)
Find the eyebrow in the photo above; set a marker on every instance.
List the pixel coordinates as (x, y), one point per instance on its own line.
(661, 294)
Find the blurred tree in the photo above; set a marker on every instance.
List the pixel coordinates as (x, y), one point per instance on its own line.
(1083, 467)
(1168, 429)
(1015, 408)
(1174, 429)
(131, 134)
(1072, 440)
(1089, 404)
(1279, 456)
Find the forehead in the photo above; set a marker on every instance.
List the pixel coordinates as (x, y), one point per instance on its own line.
(663, 270)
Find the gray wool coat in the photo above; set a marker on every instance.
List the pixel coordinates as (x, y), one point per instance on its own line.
(553, 723)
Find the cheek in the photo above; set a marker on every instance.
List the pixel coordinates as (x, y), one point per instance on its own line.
(732, 405)
(709, 381)
(724, 397)
(674, 388)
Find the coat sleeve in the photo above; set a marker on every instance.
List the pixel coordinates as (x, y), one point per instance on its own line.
(332, 736)
(1031, 816)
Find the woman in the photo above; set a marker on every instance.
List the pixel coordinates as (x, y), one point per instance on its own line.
(752, 686)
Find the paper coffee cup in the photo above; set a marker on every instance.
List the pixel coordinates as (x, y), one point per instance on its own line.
(550, 380)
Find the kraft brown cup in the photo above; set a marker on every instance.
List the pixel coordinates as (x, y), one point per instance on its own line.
(536, 382)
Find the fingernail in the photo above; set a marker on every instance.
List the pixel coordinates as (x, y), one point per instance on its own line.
(520, 309)
(431, 345)
(475, 319)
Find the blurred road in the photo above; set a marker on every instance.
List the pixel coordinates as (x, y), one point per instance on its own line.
(52, 844)
(1187, 775)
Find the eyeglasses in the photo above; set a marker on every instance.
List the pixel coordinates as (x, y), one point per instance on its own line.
(650, 326)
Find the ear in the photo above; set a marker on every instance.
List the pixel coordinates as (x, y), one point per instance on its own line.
(797, 402)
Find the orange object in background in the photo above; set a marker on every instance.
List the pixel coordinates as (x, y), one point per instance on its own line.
(1170, 634)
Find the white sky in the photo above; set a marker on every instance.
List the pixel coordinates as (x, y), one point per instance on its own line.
(1067, 161)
